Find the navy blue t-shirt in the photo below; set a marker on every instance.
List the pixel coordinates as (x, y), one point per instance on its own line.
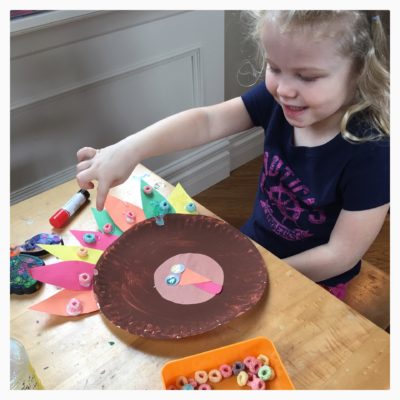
(302, 190)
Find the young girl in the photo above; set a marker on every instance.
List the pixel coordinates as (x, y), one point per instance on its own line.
(324, 105)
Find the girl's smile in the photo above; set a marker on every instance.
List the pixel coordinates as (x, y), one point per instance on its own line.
(292, 111)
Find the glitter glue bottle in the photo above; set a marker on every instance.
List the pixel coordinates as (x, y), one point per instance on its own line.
(22, 374)
(61, 217)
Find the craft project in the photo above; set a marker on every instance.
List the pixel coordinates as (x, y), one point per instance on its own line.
(93, 239)
(103, 218)
(181, 201)
(123, 214)
(153, 202)
(61, 301)
(132, 269)
(73, 253)
(73, 275)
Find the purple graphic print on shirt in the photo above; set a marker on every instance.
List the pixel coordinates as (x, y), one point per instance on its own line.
(288, 204)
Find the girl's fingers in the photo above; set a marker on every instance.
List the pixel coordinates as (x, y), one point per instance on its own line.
(85, 153)
(83, 165)
(84, 179)
(102, 191)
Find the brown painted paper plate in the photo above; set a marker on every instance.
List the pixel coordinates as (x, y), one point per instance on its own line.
(125, 287)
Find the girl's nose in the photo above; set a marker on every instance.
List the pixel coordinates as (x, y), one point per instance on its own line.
(286, 89)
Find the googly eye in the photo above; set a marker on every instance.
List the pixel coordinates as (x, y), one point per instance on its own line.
(177, 268)
(172, 279)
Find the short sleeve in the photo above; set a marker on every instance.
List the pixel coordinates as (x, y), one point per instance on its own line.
(366, 179)
(259, 104)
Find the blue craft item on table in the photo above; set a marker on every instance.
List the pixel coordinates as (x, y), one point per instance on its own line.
(21, 281)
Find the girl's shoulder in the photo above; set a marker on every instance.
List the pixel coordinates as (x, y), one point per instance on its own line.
(260, 104)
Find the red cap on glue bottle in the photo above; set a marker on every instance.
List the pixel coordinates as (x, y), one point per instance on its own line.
(61, 217)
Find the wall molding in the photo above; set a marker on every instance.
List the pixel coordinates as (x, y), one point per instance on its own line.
(246, 146)
(196, 171)
(30, 36)
(194, 52)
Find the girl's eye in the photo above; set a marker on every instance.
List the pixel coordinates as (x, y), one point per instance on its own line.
(308, 78)
(273, 69)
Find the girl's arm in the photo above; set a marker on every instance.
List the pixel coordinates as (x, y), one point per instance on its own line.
(112, 165)
(351, 237)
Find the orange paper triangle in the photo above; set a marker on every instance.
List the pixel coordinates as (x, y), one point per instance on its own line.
(57, 304)
(118, 210)
(189, 277)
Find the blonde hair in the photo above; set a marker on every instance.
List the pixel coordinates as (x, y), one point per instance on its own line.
(362, 38)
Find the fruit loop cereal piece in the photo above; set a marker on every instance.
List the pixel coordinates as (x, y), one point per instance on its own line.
(201, 377)
(251, 377)
(226, 370)
(82, 252)
(130, 217)
(181, 381)
(248, 361)
(237, 366)
(148, 190)
(164, 206)
(242, 378)
(254, 366)
(187, 386)
(89, 238)
(74, 307)
(256, 383)
(84, 279)
(190, 207)
(204, 386)
(193, 382)
(263, 358)
(266, 373)
(107, 228)
(215, 376)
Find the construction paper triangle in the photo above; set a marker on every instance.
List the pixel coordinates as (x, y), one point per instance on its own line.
(152, 201)
(57, 304)
(180, 199)
(210, 287)
(118, 210)
(64, 274)
(69, 253)
(103, 240)
(189, 277)
(103, 217)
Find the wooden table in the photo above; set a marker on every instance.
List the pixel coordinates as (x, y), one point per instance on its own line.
(323, 343)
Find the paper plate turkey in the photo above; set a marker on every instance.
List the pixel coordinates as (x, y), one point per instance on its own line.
(183, 278)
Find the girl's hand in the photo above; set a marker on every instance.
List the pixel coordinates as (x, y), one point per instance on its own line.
(110, 166)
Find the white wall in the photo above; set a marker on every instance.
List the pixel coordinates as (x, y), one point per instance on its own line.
(90, 78)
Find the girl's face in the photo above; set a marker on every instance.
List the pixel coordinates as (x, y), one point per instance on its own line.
(308, 77)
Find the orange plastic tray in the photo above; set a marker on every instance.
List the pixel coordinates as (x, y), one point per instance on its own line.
(211, 359)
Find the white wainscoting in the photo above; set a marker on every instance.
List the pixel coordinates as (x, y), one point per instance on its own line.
(93, 78)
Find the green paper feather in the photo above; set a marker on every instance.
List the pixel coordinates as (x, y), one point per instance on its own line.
(150, 203)
(102, 218)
